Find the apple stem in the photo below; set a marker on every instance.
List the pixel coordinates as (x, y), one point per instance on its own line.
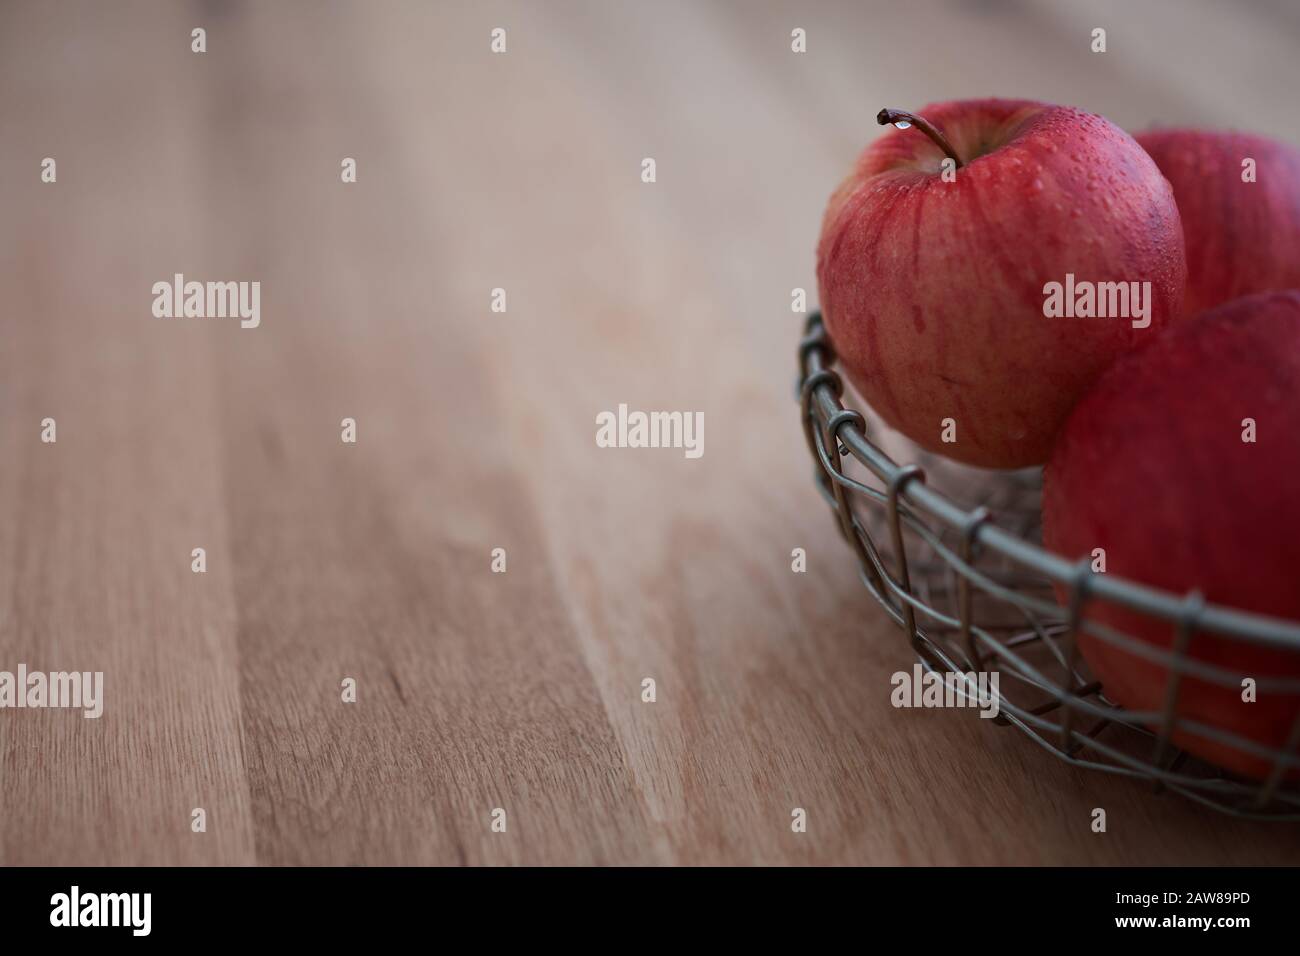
(887, 116)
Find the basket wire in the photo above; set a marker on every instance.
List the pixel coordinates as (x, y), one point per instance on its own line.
(973, 593)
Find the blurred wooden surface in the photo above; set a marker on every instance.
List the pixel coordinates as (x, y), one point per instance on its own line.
(481, 690)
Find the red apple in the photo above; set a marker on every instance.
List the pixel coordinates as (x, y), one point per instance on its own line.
(1241, 237)
(934, 290)
(1153, 467)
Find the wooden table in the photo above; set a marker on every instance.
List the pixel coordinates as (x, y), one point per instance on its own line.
(372, 560)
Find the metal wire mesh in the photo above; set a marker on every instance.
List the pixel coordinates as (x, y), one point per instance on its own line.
(974, 593)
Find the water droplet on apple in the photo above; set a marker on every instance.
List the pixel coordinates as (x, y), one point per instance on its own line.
(902, 124)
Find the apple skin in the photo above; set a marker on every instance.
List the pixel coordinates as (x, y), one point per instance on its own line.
(1240, 237)
(932, 291)
(1151, 466)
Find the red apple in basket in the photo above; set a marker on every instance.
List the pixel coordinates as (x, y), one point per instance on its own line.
(934, 286)
(1153, 466)
(1239, 199)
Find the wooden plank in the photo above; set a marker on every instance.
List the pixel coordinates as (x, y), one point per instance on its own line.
(98, 527)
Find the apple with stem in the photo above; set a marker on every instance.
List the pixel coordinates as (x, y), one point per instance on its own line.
(937, 251)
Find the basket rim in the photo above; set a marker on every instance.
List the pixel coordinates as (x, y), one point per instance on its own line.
(819, 384)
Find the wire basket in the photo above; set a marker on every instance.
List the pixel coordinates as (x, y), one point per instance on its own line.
(975, 594)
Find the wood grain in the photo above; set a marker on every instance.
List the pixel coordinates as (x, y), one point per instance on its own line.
(325, 560)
